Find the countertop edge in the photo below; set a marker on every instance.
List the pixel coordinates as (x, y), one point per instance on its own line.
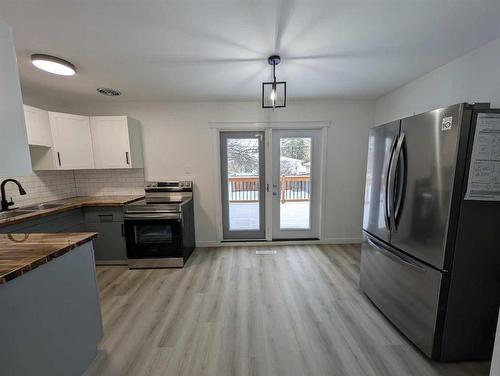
(61, 209)
(60, 251)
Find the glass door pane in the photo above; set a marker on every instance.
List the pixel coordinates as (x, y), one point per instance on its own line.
(242, 164)
(295, 182)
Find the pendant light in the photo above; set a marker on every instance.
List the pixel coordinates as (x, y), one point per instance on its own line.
(53, 64)
(274, 93)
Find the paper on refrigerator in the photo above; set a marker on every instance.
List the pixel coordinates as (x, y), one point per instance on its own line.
(484, 172)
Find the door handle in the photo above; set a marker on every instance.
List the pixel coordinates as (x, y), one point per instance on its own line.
(400, 183)
(387, 195)
(126, 158)
(392, 180)
(59, 158)
(395, 257)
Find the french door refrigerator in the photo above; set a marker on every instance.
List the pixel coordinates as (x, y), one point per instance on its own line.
(431, 229)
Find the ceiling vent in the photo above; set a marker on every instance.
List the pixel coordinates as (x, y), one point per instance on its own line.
(109, 92)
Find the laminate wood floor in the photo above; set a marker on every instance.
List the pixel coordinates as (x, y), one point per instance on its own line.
(233, 312)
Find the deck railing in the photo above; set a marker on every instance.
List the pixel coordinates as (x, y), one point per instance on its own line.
(292, 188)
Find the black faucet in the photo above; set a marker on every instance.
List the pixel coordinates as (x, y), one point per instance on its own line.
(5, 203)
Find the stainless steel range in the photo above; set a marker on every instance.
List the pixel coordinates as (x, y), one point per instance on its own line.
(159, 229)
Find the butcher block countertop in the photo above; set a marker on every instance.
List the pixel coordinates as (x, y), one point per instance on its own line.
(20, 253)
(69, 204)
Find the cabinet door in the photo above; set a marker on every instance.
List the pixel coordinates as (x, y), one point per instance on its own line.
(107, 131)
(110, 245)
(14, 152)
(72, 141)
(37, 126)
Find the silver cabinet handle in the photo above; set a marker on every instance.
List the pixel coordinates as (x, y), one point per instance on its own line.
(149, 216)
(59, 158)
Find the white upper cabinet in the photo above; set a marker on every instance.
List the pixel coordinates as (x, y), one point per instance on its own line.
(38, 126)
(61, 141)
(14, 151)
(117, 142)
(72, 141)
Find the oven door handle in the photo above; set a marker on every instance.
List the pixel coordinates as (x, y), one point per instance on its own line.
(149, 216)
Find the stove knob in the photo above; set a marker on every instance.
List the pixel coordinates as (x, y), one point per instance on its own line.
(181, 185)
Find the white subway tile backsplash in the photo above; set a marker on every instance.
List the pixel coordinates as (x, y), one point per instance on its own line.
(109, 182)
(42, 186)
(55, 185)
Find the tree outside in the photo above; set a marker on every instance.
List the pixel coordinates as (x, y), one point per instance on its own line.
(295, 156)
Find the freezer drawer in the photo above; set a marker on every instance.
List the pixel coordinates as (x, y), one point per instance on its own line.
(406, 291)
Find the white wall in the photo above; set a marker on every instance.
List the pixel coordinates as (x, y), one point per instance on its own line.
(474, 77)
(178, 143)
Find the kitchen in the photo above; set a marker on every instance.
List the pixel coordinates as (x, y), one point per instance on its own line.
(254, 295)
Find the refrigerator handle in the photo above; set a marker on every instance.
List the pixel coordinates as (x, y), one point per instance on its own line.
(400, 184)
(393, 256)
(387, 195)
(392, 180)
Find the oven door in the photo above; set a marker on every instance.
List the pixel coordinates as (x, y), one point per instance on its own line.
(153, 235)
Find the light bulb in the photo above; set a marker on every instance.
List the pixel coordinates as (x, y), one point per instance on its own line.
(273, 95)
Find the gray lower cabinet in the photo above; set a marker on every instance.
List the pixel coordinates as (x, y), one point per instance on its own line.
(51, 318)
(110, 246)
(70, 221)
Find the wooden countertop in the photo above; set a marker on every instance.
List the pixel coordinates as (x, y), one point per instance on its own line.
(20, 253)
(69, 204)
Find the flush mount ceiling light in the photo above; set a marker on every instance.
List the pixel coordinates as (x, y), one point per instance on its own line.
(108, 91)
(274, 93)
(53, 64)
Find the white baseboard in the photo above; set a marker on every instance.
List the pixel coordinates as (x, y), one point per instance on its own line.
(206, 244)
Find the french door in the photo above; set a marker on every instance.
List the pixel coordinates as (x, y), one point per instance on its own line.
(243, 185)
(293, 161)
(296, 184)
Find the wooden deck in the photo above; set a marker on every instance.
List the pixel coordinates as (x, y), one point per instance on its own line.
(245, 215)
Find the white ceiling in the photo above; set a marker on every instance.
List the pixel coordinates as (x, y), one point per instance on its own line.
(217, 50)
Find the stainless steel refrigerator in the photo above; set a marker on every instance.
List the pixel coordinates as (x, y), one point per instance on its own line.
(431, 252)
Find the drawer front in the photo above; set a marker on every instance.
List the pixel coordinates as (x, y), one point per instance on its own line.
(406, 291)
(99, 215)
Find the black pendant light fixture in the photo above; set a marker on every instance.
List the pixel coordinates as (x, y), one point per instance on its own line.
(274, 93)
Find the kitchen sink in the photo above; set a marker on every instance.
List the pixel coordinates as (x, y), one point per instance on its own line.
(40, 207)
(14, 213)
